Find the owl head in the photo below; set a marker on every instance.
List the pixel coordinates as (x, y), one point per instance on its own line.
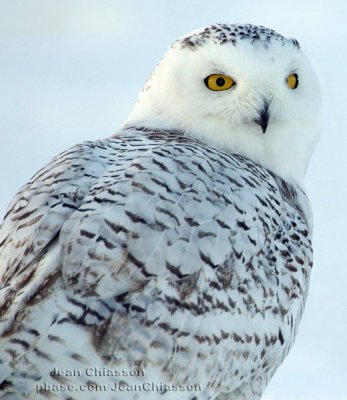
(244, 89)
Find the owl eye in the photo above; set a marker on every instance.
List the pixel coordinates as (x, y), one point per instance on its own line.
(219, 82)
(293, 81)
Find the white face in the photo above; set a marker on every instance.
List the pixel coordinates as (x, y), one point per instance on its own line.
(271, 112)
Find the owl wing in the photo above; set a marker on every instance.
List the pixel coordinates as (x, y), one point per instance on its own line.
(35, 217)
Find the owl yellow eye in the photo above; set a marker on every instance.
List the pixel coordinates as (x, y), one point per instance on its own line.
(293, 81)
(219, 82)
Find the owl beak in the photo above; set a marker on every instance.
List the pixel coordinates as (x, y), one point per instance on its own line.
(263, 116)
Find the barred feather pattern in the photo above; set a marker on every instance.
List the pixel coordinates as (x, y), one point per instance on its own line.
(151, 251)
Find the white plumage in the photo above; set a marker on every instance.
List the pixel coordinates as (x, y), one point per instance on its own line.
(171, 260)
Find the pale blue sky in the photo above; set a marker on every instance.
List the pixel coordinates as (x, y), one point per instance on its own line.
(70, 70)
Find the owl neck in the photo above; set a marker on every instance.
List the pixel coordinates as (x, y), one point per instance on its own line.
(282, 150)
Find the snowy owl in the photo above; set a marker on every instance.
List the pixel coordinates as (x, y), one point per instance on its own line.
(170, 261)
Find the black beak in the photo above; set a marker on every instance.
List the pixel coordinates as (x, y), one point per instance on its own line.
(263, 116)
